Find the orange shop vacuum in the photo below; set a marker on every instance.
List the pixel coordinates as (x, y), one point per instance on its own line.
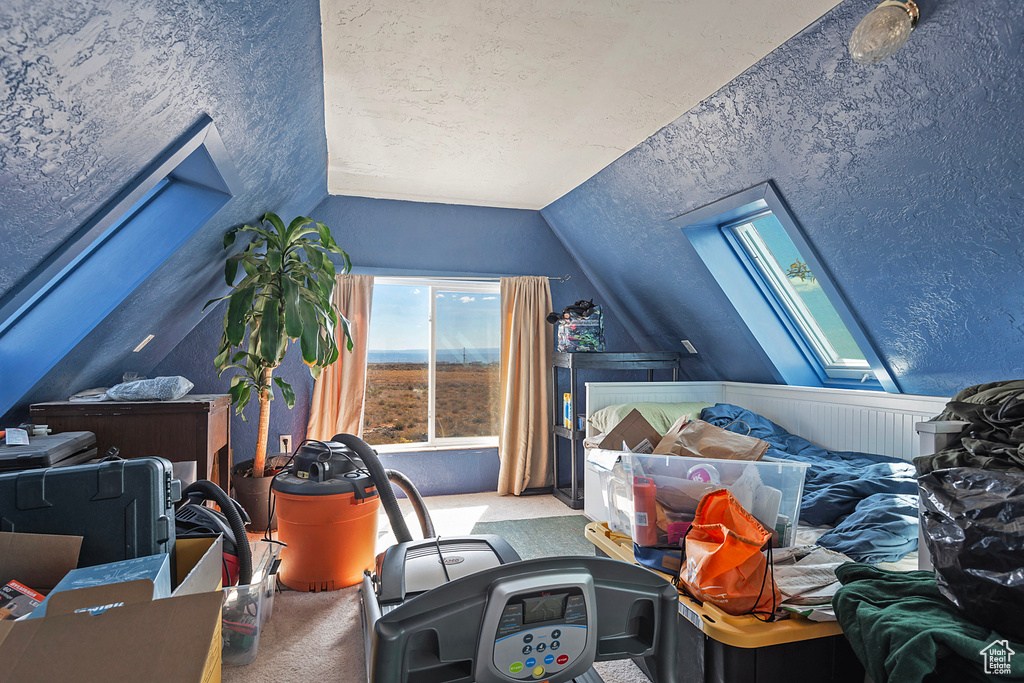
(327, 505)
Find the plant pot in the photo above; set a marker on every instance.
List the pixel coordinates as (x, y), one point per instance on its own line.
(253, 493)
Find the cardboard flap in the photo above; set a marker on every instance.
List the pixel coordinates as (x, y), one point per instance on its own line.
(199, 564)
(633, 430)
(163, 640)
(111, 594)
(38, 561)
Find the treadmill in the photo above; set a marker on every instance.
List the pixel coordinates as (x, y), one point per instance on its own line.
(546, 620)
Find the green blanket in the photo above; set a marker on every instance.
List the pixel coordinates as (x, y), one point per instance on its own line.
(903, 630)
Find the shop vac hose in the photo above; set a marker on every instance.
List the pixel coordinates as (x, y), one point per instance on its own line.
(403, 482)
(380, 480)
(211, 491)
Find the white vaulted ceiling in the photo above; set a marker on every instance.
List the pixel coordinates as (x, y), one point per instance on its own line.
(514, 103)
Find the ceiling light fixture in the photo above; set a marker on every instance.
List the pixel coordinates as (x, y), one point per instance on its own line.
(883, 31)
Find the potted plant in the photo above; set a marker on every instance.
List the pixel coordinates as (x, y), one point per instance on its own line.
(284, 296)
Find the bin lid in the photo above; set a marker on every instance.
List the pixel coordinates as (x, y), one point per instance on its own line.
(325, 468)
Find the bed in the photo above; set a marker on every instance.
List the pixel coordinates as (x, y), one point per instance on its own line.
(859, 445)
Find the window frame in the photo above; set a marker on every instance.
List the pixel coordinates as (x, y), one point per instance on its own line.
(789, 306)
(773, 334)
(472, 285)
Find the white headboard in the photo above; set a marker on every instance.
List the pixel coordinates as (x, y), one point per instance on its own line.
(835, 419)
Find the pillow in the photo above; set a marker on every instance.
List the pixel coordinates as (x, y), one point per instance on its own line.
(661, 416)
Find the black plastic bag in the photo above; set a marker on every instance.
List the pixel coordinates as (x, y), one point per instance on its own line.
(973, 523)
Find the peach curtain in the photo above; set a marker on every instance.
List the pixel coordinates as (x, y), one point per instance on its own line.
(337, 406)
(526, 340)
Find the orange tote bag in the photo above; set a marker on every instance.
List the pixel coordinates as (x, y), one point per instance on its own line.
(723, 562)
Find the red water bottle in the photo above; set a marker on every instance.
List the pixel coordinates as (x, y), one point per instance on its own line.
(645, 512)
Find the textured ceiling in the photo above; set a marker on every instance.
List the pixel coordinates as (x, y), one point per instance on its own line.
(513, 104)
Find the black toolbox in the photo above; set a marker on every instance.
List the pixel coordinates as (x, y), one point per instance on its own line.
(52, 450)
(122, 509)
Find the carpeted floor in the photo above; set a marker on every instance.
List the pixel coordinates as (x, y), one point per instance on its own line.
(317, 636)
(543, 536)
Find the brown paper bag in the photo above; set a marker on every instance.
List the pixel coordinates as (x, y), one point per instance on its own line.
(699, 439)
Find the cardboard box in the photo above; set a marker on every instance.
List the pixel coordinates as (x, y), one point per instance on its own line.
(153, 568)
(635, 431)
(176, 638)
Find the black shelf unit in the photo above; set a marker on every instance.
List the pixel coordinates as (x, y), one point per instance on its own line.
(572, 495)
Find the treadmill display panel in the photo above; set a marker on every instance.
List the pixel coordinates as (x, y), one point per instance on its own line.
(543, 608)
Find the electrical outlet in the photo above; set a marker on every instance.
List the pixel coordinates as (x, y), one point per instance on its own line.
(286, 443)
(688, 346)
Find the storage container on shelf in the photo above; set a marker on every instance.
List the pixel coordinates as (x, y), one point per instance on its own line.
(770, 489)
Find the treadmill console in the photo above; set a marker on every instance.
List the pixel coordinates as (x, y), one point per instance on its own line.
(538, 629)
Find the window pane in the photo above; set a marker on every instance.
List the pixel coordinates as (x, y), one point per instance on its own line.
(397, 379)
(467, 342)
(806, 286)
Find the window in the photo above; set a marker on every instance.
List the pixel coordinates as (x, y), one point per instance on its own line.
(785, 275)
(92, 273)
(432, 364)
(794, 315)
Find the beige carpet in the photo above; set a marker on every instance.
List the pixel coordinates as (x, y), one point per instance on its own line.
(316, 636)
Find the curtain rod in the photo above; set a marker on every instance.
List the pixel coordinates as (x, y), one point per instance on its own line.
(562, 278)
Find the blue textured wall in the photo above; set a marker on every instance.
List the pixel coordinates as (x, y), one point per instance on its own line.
(410, 238)
(906, 177)
(92, 92)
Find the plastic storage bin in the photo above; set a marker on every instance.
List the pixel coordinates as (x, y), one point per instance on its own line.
(715, 647)
(581, 334)
(770, 489)
(247, 608)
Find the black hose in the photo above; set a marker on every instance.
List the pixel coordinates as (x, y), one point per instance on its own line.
(215, 493)
(380, 480)
(403, 482)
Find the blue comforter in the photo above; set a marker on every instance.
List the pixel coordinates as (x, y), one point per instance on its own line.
(871, 500)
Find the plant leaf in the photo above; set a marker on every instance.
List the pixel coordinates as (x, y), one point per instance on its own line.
(229, 237)
(271, 348)
(213, 301)
(315, 257)
(222, 358)
(239, 304)
(293, 227)
(292, 317)
(274, 259)
(346, 329)
(286, 392)
(309, 342)
(274, 220)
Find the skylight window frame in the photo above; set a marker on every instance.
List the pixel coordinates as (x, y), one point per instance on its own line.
(435, 284)
(773, 335)
(746, 238)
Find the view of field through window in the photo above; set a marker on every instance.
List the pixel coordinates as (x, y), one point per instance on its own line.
(467, 336)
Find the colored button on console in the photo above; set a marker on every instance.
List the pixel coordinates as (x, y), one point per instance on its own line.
(527, 649)
(530, 662)
(516, 667)
(562, 659)
(549, 659)
(538, 672)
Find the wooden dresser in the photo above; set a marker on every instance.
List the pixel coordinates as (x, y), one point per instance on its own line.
(196, 427)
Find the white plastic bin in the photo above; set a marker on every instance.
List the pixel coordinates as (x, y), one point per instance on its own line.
(769, 489)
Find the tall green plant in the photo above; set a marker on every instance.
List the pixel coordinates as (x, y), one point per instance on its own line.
(284, 296)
